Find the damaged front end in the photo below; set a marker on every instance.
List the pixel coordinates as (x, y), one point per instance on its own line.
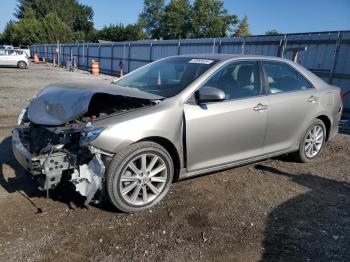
(51, 153)
(55, 152)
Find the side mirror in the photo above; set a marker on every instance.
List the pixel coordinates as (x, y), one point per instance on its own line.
(209, 94)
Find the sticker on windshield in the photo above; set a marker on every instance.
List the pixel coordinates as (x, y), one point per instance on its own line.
(201, 61)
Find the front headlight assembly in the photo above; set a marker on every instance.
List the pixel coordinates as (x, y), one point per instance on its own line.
(89, 135)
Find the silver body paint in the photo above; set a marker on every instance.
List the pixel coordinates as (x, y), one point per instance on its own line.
(204, 137)
(228, 133)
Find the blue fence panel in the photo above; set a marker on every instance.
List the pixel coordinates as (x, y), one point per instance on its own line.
(328, 53)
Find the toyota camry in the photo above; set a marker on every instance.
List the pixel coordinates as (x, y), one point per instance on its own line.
(172, 119)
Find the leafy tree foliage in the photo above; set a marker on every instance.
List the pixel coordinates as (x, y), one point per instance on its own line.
(49, 21)
(53, 29)
(30, 30)
(176, 20)
(211, 19)
(24, 32)
(272, 32)
(121, 33)
(180, 19)
(243, 28)
(76, 16)
(151, 16)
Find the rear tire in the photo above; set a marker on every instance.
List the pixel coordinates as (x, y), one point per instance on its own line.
(22, 65)
(312, 142)
(139, 177)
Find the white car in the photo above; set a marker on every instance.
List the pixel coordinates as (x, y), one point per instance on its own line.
(13, 58)
(6, 47)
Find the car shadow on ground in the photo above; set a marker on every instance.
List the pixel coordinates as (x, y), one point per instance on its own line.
(25, 184)
(314, 226)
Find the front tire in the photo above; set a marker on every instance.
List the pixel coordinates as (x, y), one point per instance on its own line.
(312, 142)
(139, 177)
(22, 65)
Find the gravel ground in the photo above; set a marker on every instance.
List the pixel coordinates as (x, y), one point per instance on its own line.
(274, 210)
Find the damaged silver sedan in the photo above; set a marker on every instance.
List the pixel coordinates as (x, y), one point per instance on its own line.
(174, 118)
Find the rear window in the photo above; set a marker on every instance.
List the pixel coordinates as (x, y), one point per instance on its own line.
(283, 78)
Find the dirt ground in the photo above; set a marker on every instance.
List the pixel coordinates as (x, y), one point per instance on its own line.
(274, 210)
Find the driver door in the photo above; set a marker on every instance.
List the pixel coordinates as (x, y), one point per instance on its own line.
(222, 132)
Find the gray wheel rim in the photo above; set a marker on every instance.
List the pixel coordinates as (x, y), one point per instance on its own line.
(143, 179)
(313, 141)
(21, 65)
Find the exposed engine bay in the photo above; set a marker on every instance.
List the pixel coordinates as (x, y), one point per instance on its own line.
(52, 152)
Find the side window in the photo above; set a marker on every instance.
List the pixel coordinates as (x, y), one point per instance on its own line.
(237, 80)
(11, 52)
(283, 78)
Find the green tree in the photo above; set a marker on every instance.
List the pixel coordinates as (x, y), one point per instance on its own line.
(272, 32)
(211, 19)
(151, 16)
(243, 28)
(26, 32)
(121, 33)
(30, 30)
(76, 16)
(54, 29)
(176, 20)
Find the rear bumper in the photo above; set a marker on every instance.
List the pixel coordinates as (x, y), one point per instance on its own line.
(335, 127)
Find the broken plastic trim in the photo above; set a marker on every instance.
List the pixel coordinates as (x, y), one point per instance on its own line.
(88, 177)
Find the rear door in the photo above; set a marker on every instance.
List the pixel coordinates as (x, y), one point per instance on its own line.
(292, 103)
(12, 57)
(222, 132)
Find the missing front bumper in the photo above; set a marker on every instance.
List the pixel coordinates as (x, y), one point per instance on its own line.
(87, 177)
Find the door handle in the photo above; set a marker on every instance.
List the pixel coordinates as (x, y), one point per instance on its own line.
(312, 99)
(260, 107)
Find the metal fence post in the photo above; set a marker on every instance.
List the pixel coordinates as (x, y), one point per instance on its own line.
(78, 55)
(335, 58)
(150, 51)
(129, 57)
(99, 55)
(124, 56)
(284, 45)
(243, 45)
(70, 52)
(219, 47)
(112, 56)
(214, 45)
(178, 48)
(87, 57)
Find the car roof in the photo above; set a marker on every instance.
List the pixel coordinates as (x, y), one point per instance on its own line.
(223, 57)
(227, 57)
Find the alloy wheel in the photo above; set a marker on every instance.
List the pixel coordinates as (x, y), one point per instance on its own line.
(314, 141)
(143, 179)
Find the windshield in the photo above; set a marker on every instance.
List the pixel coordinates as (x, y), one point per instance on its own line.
(167, 77)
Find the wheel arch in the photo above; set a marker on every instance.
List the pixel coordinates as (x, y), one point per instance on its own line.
(22, 61)
(171, 148)
(327, 123)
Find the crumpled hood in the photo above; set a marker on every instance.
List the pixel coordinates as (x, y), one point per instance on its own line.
(59, 104)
